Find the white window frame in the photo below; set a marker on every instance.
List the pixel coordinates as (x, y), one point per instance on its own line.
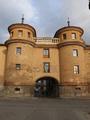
(46, 52)
(76, 69)
(18, 50)
(46, 67)
(75, 52)
(73, 36)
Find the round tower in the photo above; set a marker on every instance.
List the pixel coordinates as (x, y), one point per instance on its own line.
(72, 63)
(20, 45)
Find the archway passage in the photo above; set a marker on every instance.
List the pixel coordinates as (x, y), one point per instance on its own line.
(46, 87)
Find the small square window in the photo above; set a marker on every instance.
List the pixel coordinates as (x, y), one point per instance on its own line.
(18, 66)
(76, 69)
(20, 33)
(73, 36)
(46, 52)
(64, 36)
(75, 52)
(46, 67)
(18, 50)
(17, 90)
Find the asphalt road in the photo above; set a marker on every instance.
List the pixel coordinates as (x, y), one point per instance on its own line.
(44, 109)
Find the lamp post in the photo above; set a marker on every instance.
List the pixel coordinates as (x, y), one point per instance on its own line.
(89, 5)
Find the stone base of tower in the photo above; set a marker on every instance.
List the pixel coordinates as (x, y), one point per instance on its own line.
(19, 91)
(28, 91)
(2, 88)
(74, 91)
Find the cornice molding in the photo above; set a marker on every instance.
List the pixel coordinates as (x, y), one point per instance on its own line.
(60, 45)
(2, 44)
(30, 43)
(20, 25)
(20, 41)
(68, 29)
(87, 47)
(71, 43)
(46, 46)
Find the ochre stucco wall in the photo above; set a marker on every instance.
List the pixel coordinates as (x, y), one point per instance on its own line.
(3, 51)
(67, 63)
(61, 60)
(87, 66)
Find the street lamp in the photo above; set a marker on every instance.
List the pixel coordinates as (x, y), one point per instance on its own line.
(89, 4)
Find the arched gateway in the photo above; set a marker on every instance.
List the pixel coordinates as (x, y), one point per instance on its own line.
(46, 87)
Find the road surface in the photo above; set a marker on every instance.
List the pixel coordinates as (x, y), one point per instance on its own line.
(44, 109)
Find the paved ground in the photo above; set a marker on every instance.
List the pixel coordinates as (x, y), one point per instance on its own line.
(44, 109)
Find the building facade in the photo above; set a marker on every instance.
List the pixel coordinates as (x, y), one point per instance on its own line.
(44, 66)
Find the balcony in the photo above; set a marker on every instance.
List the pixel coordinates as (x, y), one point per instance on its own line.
(46, 40)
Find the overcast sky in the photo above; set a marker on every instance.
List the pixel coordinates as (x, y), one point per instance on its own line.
(46, 16)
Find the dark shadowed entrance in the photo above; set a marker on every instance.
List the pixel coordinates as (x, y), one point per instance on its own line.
(46, 87)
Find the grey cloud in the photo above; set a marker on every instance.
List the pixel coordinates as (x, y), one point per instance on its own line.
(11, 12)
(53, 15)
(47, 16)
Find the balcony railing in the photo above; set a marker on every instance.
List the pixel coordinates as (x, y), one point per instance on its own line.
(46, 40)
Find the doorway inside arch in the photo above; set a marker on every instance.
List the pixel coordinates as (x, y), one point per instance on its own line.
(46, 87)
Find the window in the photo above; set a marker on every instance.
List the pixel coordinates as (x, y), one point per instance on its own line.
(73, 36)
(46, 52)
(11, 34)
(76, 69)
(28, 34)
(75, 52)
(46, 67)
(17, 90)
(20, 33)
(64, 36)
(18, 66)
(18, 50)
